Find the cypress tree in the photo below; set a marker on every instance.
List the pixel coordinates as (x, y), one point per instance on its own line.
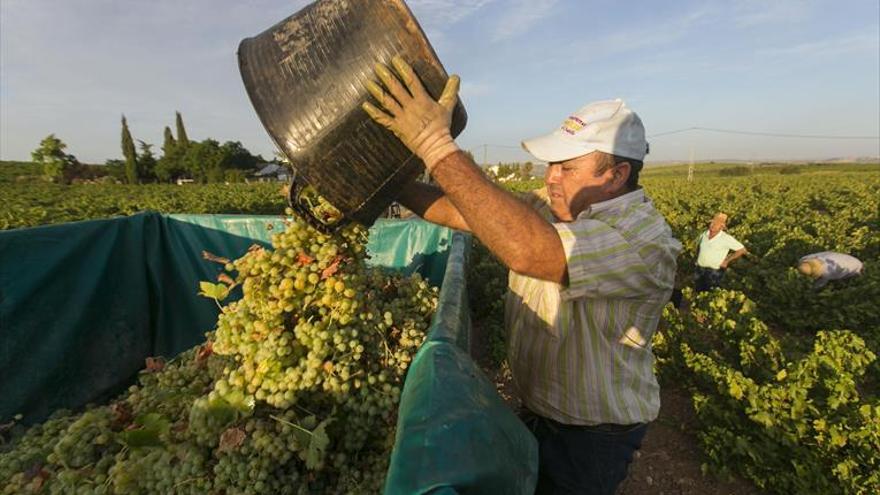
(169, 143)
(128, 151)
(182, 140)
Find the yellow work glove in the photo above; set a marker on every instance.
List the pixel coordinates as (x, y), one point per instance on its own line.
(421, 123)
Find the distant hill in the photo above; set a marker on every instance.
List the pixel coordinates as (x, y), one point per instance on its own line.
(857, 159)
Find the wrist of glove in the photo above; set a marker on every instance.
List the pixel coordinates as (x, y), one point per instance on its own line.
(434, 147)
(408, 111)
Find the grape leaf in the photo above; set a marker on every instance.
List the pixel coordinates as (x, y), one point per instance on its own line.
(140, 438)
(204, 352)
(218, 292)
(318, 443)
(37, 478)
(213, 257)
(154, 364)
(147, 431)
(154, 422)
(231, 439)
(226, 279)
(332, 269)
(121, 414)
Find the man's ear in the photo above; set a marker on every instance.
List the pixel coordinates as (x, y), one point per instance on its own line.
(621, 175)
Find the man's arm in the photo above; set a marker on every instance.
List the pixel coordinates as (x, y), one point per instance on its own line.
(734, 256)
(517, 234)
(430, 203)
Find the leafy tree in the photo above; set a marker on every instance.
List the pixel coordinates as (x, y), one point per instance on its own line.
(238, 157)
(130, 154)
(146, 161)
(234, 175)
(507, 169)
(169, 144)
(58, 166)
(204, 161)
(182, 139)
(116, 169)
(170, 166)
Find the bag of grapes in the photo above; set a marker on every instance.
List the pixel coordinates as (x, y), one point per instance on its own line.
(327, 363)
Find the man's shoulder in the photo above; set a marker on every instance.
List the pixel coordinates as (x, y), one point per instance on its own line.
(537, 199)
(639, 224)
(841, 259)
(535, 196)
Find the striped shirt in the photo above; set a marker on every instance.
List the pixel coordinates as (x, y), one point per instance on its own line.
(582, 354)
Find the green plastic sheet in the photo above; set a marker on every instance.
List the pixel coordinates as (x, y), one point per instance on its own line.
(83, 304)
(454, 432)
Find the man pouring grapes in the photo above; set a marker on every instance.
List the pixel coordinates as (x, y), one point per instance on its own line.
(591, 263)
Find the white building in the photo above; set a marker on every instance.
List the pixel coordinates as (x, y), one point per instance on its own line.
(272, 172)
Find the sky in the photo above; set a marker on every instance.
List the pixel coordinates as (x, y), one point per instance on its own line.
(794, 67)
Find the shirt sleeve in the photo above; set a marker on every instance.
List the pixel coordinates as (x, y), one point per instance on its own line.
(602, 263)
(733, 244)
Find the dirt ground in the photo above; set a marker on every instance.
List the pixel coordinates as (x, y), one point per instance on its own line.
(670, 458)
(668, 462)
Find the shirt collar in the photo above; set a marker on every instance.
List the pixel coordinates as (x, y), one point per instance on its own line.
(637, 196)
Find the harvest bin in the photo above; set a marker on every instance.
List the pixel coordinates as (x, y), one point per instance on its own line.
(83, 304)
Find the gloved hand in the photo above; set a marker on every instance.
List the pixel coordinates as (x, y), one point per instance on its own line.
(421, 123)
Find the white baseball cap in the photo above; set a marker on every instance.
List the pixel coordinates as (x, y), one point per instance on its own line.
(607, 126)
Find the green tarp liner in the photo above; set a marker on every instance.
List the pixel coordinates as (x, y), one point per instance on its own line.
(83, 304)
(454, 432)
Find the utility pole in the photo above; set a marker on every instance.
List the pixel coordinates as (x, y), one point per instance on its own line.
(691, 166)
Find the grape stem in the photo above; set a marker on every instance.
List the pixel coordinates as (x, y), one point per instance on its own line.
(288, 423)
(310, 413)
(188, 480)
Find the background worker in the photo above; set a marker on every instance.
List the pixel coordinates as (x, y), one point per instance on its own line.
(828, 265)
(716, 250)
(591, 265)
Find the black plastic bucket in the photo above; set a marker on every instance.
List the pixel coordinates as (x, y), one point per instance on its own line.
(306, 78)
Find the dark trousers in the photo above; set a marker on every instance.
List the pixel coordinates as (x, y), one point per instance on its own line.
(707, 278)
(591, 460)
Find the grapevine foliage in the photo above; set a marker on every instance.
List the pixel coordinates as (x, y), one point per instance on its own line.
(791, 424)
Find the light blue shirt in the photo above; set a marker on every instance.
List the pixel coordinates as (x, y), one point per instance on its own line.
(836, 266)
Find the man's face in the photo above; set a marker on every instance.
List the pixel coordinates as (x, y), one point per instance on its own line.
(573, 185)
(716, 226)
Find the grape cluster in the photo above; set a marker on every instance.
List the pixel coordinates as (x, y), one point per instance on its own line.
(294, 392)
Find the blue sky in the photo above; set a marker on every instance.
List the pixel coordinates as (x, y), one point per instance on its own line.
(72, 67)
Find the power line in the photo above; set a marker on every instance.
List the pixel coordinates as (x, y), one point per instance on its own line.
(753, 133)
(500, 146)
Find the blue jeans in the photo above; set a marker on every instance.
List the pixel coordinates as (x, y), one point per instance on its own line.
(708, 278)
(589, 460)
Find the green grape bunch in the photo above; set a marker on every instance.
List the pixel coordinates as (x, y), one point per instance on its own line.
(294, 391)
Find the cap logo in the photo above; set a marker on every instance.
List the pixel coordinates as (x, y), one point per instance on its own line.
(573, 125)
